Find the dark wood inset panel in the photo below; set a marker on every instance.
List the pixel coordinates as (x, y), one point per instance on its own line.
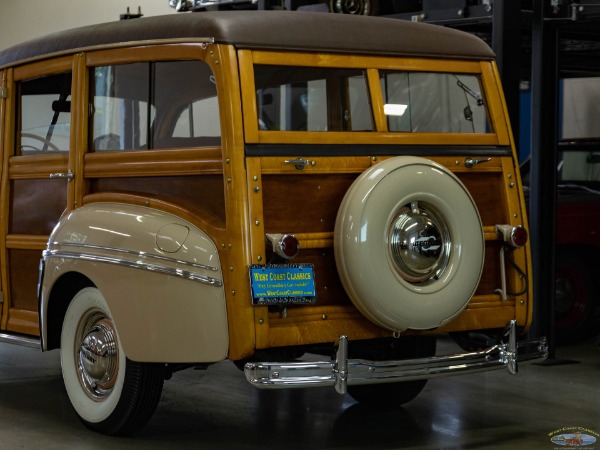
(36, 205)
(201, 195)
(24, 269)
(303, 203)
(487, 190)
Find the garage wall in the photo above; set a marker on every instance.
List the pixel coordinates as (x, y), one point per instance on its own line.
(581, 108)
(580, 113)
(22, 20)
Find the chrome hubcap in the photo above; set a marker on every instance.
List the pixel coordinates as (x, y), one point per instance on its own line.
(97, 355)
(419, 243)
(351, 6)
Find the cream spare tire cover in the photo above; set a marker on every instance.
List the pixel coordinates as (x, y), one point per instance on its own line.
(409, 244)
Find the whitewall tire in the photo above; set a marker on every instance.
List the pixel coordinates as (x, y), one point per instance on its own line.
(109, 393)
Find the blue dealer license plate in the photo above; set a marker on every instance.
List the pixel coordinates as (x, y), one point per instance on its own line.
(282, 284)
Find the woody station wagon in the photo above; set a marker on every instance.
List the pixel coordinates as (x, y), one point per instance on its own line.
(257, 186)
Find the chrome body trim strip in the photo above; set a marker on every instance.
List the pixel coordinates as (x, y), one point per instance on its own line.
(158, 268)
(344, 372)
(24, 341)
(137, 254)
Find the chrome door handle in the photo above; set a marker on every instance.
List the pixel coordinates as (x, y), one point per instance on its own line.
(470, 162)
(68, 175)
(299, 163)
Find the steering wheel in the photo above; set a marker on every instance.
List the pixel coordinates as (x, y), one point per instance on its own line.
(46, 143)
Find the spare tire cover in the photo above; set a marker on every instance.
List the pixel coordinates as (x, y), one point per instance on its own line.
(409, 244)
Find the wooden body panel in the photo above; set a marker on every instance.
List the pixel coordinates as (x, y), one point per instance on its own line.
(236, 197)
(309, 211)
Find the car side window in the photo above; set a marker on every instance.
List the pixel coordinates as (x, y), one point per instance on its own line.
(200, 118)
(293, 98)
(140, 106)
(44, 119)
(422, 102)
(121, 108)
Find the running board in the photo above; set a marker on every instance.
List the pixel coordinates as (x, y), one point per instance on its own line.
(24, 341)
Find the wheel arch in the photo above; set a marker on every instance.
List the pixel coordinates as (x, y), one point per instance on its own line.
(61, 294)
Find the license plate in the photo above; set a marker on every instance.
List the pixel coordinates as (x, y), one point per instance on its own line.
(282, 284)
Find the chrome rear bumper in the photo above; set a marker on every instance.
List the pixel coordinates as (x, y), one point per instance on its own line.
(343, 371)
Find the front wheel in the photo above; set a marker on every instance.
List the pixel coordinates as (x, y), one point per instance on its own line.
(110, 393)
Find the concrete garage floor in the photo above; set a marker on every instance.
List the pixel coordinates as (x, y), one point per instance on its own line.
(217, 409)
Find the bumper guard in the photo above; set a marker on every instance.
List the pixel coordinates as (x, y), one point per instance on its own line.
(343, 372)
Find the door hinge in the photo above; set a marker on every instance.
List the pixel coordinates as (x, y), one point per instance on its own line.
(3, 92)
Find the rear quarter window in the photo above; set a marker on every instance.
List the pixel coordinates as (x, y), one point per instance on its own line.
(312, 99)
(422, 102)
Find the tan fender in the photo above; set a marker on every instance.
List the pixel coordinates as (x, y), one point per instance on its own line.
(160, 275)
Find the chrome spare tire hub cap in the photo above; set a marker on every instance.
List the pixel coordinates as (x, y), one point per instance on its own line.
(419, 243)
(98, 359)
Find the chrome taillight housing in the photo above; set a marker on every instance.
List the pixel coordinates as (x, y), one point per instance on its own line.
(284, 245)
(515, 236)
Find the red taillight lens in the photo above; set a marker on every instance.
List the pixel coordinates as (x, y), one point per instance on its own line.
(284, 245)
(518, 236)
(289, 246)
(514, 236)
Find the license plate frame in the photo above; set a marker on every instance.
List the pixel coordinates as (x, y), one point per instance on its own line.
(282, 284)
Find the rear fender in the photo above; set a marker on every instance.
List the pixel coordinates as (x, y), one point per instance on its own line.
(160, 275)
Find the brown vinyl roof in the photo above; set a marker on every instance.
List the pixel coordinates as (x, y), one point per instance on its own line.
(293, 30)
